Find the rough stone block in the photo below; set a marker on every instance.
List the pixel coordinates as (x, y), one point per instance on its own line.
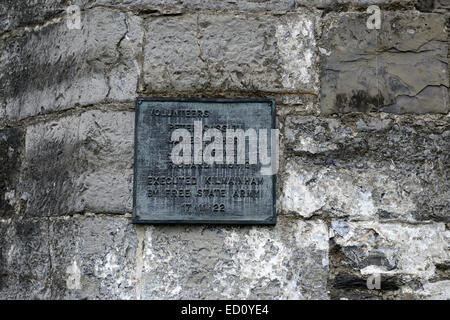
(25, 260)
(407, 251)
(158, 7)
(366, 167)
(434, 291)
(68, 258)
(401, 68)
(54, 68)
(93, 258)
(230, 53)
(80, 163)
(303, 104)
(11, 150)
(178, 6)
(18, 13)
(288, 261)
(337, 4)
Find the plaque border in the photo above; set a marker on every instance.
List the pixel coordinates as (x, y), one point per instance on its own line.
(138, 102)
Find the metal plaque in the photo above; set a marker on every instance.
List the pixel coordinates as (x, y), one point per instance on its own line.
(205, 161)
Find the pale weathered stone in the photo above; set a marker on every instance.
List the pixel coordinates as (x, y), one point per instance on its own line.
(434, 291)
(200, 262)
(80, 163)
(68, 258)
(25, 260)
(367, 167)
(375, 260)
(94, 64)
(11, 149)
(409, 251)
(93, 258)
(304, 104)
(401, 68)
(230, 53)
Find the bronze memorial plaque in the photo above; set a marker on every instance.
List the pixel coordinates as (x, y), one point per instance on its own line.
(205, 161)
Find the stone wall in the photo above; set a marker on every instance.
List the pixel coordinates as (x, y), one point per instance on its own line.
(364, 183)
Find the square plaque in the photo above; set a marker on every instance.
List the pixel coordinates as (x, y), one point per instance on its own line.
(204, 161)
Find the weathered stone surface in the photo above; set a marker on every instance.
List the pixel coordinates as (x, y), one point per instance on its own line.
(434, 291)
(17, 13)
(3, 257)
(304, 104)
(68, 258)
(80, 163)
(25, 260)
(368, 167)
(407, 251)
(180, 6)
(337, 4)
(93, 258)
(97, 63)
(230, 53)
(288, 261)
(442, 4)
(405, 257)
(174, 6)
(401, 68)
(11, 149)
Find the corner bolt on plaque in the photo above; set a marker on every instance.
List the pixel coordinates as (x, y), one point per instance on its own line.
(205, 161)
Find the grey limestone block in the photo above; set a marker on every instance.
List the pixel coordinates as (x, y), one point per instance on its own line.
(11, 152)
(53, 68)
(230, 52)
(80, 163)
(367, 167)
(287, 261)
(401, 68)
